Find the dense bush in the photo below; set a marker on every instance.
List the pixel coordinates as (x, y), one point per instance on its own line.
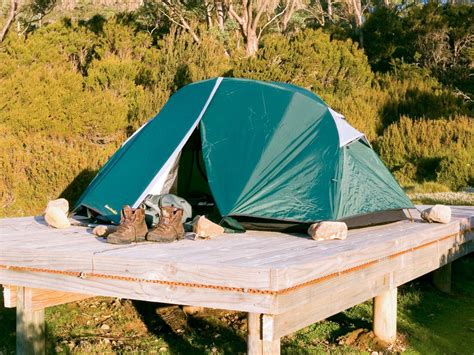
(423, 150)
(70, 93)
(456, 170)
(69, 96)
(435, 35)
(37, 167)
(413, 92)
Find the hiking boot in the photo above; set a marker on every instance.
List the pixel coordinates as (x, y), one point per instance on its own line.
(170, 227)
(132, 228)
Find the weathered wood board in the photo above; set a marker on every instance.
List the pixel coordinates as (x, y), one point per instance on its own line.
(40, 298)
(258, 272)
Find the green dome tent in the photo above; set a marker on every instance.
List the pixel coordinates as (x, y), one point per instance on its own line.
(270, 151)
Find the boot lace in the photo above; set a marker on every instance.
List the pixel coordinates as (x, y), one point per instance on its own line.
(126, 223)
(165, 224)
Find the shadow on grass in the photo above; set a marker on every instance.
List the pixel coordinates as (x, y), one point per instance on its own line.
(436, 322)
(7, 328)
(347, 322)
(8, 331)
(197, 335)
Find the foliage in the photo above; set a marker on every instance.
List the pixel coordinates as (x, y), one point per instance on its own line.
(445, 198)
(70, 95)
(457, 169)
(413, 92)
(37, 167)
(417, 149)
(428, 187)
(72, 91)
(435, 36)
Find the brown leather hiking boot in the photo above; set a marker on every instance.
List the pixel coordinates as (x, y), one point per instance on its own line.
(169, 228)
(132, 227)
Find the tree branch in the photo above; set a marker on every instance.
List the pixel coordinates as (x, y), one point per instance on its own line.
(183, 23)
(234, 14)
(172, 20)
(259, 14)
(273, 19)
(10, 18)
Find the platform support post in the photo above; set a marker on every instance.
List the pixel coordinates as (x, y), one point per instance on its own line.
(442, 278)
(385, 315)
(271, 347)
(30, 326)
(254, 334)
(256, 344)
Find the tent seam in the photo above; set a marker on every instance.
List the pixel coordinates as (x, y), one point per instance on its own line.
(181, 144)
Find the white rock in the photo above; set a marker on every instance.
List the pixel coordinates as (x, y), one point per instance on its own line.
(437, 213)
(192, 309)
(328, 230)
(56, 217)
(61, 203)
(204, 228)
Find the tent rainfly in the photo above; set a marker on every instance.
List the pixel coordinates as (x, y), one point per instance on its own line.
(271, 151)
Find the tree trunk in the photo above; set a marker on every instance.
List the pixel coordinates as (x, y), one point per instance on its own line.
(208, 14)
(330, 10)
(251, 43)
(10, 18)
(290, 9)
(357, 13)
(220, 15)
(357, 8)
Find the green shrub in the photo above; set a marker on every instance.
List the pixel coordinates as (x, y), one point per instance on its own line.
(37, 167)
(411, 91)
(457, 170)
(70, 93)
(425, 144)
(69, 97)
(405, 174)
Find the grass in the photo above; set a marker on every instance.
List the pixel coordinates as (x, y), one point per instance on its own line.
(429, 322)
(446, 198)
(430, 193)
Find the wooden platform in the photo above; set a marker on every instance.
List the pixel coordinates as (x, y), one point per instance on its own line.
(284, 281)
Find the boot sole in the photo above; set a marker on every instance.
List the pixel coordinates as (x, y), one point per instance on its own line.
(160, 240)
(119, 241)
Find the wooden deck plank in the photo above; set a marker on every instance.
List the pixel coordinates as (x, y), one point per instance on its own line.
(209, 274)
(328, 248)
(192, 250)
(316, 302)
(153, 292)
(285, 281)
(369, 281)
(41, 298)
(264, 261)
(256, 249)
(316, 266)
